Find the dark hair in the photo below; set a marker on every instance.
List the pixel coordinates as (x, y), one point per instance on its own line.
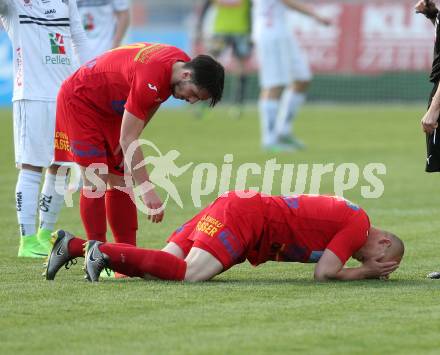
(208, 74)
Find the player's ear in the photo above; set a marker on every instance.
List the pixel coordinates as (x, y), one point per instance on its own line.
(384, 240)
(186, 74)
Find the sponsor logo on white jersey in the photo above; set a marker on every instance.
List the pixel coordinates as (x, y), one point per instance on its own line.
(58, 50)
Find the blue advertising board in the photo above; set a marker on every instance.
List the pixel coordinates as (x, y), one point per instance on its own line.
(175, 37)
(5, 70)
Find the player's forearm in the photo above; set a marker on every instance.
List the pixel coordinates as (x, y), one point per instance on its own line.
(134, 157)
(345, 274)
(435, 103)
(122, 23)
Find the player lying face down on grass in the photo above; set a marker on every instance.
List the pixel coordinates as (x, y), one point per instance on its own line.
(102, 110)
(242, 225)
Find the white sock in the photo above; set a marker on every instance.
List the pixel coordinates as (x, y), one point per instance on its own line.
(291, 102)
(268, 114)
(26, 198)
(51, 201)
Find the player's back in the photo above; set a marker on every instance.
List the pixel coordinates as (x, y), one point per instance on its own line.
(299, 227)
(139, 72)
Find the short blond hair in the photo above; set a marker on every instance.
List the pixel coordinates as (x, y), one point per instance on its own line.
(396, 250)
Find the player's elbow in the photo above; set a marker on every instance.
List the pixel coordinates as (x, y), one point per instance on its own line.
(324, 275)
(320, 276)
(125, 142)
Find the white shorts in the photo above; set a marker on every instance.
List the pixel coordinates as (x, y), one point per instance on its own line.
(34, 130)
(281, 61)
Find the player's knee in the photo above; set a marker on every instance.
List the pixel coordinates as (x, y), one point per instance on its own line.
(272, 93)
(301, 86)
(174, 249)
(94, 179)
(196, 272)
(201, 266)
(116, 181)
(37, 169)
(53, 169)
(195, 277)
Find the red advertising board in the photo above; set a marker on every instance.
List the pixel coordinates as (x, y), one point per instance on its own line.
(367, 37)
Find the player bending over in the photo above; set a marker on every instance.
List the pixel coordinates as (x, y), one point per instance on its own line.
(244, 225)
(103, 108)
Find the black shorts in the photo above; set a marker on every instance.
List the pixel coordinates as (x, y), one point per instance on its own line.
(433, 144)
(240, 44)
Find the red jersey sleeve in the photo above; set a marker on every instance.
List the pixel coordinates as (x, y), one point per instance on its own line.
(350, 238)
(145, 90)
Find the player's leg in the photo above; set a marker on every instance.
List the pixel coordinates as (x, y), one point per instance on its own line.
(174, 249)
(132, 261)
(121, 210)
(272, 81)
(31, 156)
(296, 64)
(54, 186)
(201, 265)
(51, 202)
(87, 142)
(67, 247)
(241, 49)
(268, 106)
(210, 247)
(26, 192)
(92, 202)
(433, 159)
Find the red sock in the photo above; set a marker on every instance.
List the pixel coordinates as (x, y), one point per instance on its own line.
(121, 215)
(138, 262)
(92, 212)
(76, 247)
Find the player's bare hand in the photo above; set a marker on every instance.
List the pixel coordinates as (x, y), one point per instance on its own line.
(425, 7)
(116, 152)
(155, 205)
(430, 121)
(376, 269)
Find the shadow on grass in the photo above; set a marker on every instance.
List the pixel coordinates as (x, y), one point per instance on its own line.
(271, 282)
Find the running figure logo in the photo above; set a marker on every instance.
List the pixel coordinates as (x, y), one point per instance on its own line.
(162, 167)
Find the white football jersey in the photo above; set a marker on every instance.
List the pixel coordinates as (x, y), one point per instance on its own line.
(268, 18)
(41, 32)
(99, 21)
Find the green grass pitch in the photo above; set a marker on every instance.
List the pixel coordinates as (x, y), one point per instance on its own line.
(275, 308)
